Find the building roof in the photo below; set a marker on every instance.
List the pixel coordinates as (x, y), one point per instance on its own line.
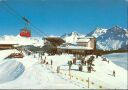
(8, 44)
(56, 40)
(75, 47)
(83, 40)
(87, 37)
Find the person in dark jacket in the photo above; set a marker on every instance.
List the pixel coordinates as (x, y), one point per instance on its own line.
(114, 73)
(85, 63)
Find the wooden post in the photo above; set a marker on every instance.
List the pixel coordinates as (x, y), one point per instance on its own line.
(70, 72)
(88, 82)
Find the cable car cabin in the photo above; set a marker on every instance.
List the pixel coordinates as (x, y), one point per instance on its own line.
(25, 33)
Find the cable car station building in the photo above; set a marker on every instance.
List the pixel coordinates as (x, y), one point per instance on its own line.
(83, 46)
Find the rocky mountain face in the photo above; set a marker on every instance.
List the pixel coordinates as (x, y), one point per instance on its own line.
(110, 39)
(107, 39)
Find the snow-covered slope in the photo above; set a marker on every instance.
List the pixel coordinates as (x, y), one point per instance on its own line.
(10, 39)
(72, 37)
(42, 76)
(113, 38)
(120, 59)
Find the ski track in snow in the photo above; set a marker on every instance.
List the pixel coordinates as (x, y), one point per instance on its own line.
(10, 70)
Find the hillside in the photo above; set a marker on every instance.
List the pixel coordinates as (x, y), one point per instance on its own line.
(30, 73)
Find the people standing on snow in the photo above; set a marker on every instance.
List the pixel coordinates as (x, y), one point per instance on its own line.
(82, 62)
(85, 63)
(69, 64)
(44, 61)
(74, 61)
(34, 56)
(108, 61)
(58, 69)
(45, 58)
(51, 63)
(80, 67)
(114, 73)
(89, 63)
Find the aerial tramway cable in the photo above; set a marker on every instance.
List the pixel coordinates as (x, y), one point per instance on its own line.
(11, 11)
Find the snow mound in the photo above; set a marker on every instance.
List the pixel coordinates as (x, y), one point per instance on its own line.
(10, 70)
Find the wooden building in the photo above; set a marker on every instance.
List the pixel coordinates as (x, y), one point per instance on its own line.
(84, 46)
(7, 46)
(89, 42)
(51, 43)
(55, 41)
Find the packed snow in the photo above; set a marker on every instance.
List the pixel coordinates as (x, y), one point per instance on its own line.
(30, 73)
(120, 59)
(10, 70)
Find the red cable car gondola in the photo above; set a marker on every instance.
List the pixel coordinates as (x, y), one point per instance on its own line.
(25, 33)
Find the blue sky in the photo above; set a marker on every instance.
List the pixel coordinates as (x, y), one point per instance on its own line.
(56, 17)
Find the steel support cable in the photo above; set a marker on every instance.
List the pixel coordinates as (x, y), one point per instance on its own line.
(18, 16)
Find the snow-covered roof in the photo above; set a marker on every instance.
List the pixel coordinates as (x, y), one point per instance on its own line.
(75, 47)
(83, 40)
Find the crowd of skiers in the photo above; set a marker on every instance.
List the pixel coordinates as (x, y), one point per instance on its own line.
(88, 63)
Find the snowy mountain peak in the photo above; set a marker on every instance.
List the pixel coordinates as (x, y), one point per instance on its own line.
(97, 32)
(114, 38)
(116, 27)
(118, 30)
(74, 33)
(72, 37)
